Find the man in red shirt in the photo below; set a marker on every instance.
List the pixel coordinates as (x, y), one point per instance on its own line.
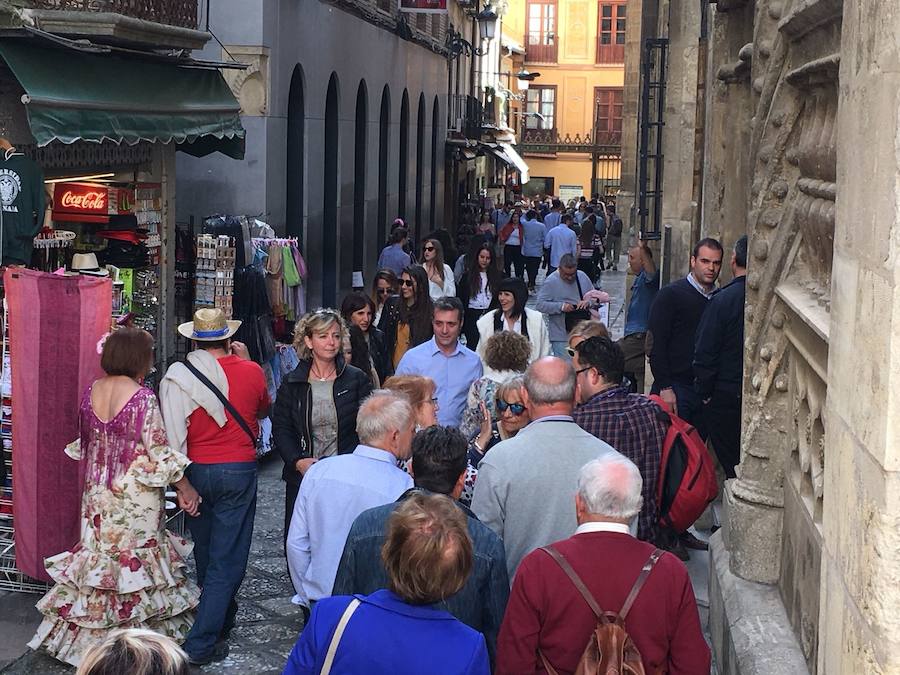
(547, 613)
(222, 448)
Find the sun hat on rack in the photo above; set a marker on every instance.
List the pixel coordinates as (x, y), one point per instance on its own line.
(209, 325)
(86, 263)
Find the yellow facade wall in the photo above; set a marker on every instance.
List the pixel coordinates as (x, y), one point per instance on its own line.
(575, 76)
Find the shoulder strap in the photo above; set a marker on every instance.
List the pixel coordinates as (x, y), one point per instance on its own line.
(578, 281)
(573, 575)
(224, 399)
(338, 634)
(642, 577)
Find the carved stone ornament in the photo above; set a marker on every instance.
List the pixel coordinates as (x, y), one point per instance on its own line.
(251, 87)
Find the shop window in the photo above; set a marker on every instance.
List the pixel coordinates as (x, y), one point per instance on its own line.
(540, 107)
(611, 32)
(359, 178)
(540, 32)
(539, 186)
(608, 115)
(384, 137)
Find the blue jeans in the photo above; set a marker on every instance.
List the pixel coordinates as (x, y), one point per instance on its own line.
(222, 534)
(690, 407)
(558, 348)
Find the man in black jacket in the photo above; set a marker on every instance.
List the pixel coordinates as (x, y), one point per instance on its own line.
(673, 322)
(718, 362)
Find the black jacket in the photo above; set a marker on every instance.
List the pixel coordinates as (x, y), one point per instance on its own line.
(719, 349)
(674, 317)
(292, 414)
(378, 352)
(390, 318)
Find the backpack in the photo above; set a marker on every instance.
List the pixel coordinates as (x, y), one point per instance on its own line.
(687, 476)
(615, 228)
(610, 650)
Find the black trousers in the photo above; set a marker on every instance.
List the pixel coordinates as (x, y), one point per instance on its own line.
(532, 264)
(723, 423)
(470, 329)
(512, 258)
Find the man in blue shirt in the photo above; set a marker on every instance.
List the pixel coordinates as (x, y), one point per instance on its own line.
(560, 241)
(532, 246)
(643, 293)
(439, 464)
(337, 489)
(452, 366)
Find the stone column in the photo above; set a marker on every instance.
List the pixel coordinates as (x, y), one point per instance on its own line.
(859, 628)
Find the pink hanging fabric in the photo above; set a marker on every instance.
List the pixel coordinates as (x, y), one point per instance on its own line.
(55, 323)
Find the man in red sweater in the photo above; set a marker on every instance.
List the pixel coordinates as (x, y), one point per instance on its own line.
(546, 612)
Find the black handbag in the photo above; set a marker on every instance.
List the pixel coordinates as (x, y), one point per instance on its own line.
(576, 316)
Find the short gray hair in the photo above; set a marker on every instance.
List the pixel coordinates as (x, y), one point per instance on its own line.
(541, 392)
(568, 261)
(381, 413)
(611, 486)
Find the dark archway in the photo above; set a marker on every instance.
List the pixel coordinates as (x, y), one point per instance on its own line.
(330, 195)
(403, 163)
(295, 177)
(435, 123)
(384, 137)
(359, 177)
(420, 164)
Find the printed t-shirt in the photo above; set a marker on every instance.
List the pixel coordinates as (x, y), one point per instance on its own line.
(247, 392)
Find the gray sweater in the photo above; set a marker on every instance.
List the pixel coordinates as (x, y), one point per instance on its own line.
(526, 485)
(553, 294)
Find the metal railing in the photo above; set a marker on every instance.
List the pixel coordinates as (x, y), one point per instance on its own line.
(466, 115)
(551, 141)
(182, 13)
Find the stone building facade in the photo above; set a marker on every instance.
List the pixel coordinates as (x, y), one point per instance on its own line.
(785, 114)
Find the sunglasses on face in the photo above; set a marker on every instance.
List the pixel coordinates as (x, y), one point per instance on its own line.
(429, 248)
(384, 291)
(570, 351)
(515, 408)
(407, 282)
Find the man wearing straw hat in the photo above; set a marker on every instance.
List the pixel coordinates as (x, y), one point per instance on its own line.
(211, 405)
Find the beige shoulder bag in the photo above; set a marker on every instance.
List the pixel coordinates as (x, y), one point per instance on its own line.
(336, 638)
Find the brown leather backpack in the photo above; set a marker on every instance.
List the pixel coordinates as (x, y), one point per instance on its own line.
(610, 651)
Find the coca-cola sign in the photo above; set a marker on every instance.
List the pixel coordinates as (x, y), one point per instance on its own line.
(88, 201)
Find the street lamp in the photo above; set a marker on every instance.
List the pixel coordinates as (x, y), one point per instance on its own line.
(487, 23)
(524, 77)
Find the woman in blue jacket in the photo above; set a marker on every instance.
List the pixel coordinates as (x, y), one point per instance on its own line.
(401, 630)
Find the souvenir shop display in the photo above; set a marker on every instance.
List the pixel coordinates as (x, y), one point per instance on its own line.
(215, 272)
(22, 201)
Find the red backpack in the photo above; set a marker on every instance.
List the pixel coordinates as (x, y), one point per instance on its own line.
(687, 476)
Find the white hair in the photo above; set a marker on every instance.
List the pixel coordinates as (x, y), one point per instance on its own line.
(381, 413)
(542, 392)
(611, 486)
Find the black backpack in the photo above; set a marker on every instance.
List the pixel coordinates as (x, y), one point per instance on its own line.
(615, 229)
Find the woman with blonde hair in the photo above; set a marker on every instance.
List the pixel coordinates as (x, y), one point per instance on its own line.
(420, 392)
(440, 277)
(135, 651)
(315, 411)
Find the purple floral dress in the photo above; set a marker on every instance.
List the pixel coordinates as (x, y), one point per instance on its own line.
(127, 571)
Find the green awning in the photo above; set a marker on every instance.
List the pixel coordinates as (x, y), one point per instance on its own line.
(73, 95)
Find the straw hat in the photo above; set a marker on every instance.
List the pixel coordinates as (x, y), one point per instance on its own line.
(86, 263)
(209, 325)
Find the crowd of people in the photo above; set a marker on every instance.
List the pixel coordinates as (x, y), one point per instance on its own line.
(468, 481)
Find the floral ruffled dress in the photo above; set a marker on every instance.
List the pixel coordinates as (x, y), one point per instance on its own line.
(127, 571)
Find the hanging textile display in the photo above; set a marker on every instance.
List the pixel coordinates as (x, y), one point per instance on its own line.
(55, 322)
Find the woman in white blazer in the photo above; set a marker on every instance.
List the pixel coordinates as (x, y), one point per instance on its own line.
(512, 294)
(440, 276)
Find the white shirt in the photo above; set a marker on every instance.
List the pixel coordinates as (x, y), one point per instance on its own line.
(514, 237)
(335, 491)
(436, 291)
(482, 300)
(603, 527)
(702, 291)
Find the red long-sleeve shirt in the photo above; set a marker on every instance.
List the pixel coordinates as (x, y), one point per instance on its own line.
(546, 611)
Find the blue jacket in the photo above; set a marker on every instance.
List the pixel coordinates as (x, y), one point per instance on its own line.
(719, 347)
(481, 602)
(386, 636)
(533, 246)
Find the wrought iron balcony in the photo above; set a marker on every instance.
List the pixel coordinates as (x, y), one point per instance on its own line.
(180, 13)
(549, 141)
(466, 115)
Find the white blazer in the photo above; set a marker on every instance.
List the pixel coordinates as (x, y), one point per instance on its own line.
(537, 333)
(449, 288)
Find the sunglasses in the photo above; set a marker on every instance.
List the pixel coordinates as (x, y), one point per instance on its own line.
(515, 408)
(384, 291)
(407, 282)
(429, 248)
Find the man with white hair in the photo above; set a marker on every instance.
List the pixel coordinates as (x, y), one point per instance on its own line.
(526, 483)
(549, 620)
(337, 489)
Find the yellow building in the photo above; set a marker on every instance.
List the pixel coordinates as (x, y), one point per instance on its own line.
(569, 124)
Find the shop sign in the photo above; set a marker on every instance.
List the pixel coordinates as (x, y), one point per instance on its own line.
(89, 201)
(424, 6)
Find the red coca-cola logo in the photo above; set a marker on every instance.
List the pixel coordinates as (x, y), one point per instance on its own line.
(93, 201)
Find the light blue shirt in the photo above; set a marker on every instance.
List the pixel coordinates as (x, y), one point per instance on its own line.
(452, 375)
(335, 491)
(533, 246)
(561, 240)
(551, 220)
(394, 258)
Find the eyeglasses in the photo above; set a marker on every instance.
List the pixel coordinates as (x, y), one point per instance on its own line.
(407, 282)
(580, 371)
(384, 291)
(515, 408)
(428, 248)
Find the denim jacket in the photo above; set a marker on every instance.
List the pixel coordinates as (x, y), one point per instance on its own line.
(479, 604)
